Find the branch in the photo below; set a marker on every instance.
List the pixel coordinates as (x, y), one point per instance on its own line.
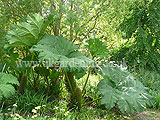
(89, 31)
(83, 91)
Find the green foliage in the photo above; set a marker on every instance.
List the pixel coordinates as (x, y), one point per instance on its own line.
(1, 53)
(77, 95)
(121, 88)
(6, 85)
(29, 100)
(51, 81)
(23, 83)
(156, 96)
(61, 112)
(77, 21)
(151, 79)
(70, 82)
(59, 49)
(141, 28)
(97, 48)
(27, 33)
(1, 44)
(13, 11)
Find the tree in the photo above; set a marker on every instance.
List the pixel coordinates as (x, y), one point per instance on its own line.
(141, 28)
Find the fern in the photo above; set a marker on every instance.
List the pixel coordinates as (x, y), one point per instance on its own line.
(122, 88)
(27, 33)
(59, 49)
(6, 85)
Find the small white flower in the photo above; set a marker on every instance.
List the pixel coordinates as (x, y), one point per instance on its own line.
(15, 105)
(34, 111)
(56, 108)
(6, 114)
(15, 118)
(11, 115)
(66, 113)
(34, 116)
(62, 110)
(17, 115)
(43, 105)
(38, 107)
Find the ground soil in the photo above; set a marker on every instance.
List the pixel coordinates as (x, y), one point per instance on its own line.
(147, 115)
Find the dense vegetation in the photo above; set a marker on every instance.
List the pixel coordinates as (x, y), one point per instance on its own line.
(79, 59)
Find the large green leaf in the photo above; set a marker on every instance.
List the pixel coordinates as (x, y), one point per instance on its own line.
(59, 49)
(1, 96)
(97, 48)
(27, 33)
(120, 87)
(6, 82)
(8, 79)
(7, 90)
(110, 97)
(130, 100)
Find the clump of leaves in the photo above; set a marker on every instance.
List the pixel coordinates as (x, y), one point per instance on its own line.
(97, 48)
(119, 87)
(6, 85)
